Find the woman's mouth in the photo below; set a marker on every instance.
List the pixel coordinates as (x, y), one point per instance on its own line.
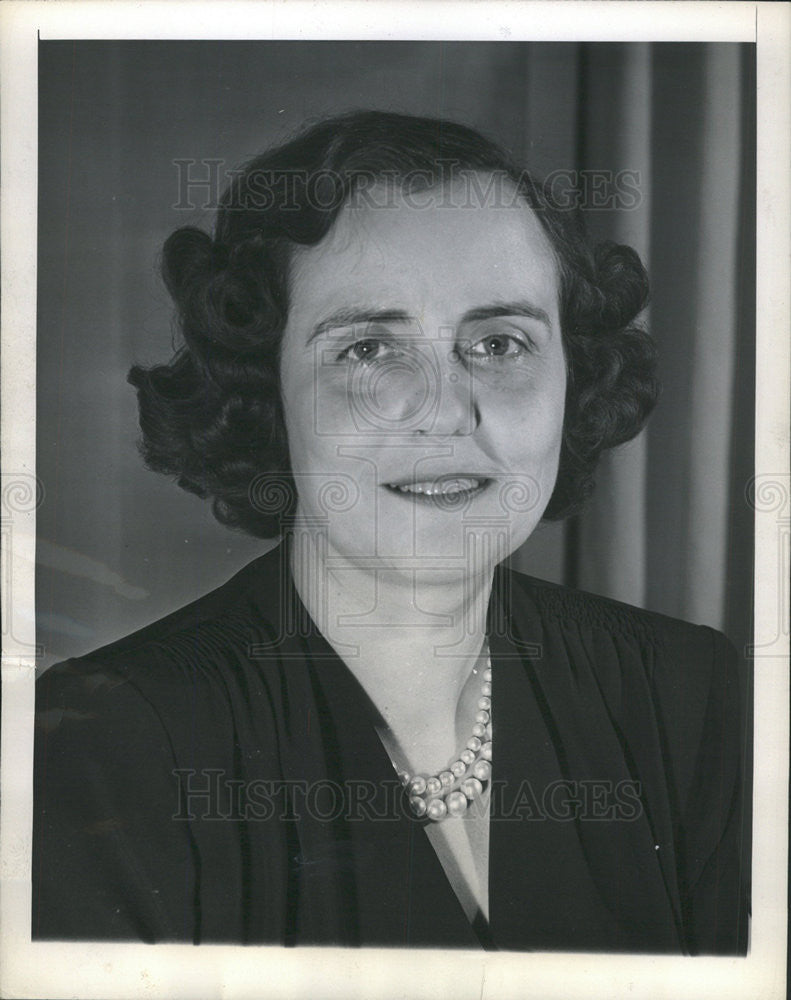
(444, 488)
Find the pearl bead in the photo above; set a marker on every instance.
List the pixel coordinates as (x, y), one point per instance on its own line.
(417, 785)
(482, 769)
(418, 805)
(437, 810)
(437, 796)
(457, 803)
(471, 787)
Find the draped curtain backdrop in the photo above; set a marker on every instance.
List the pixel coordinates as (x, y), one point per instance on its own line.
(669, 527)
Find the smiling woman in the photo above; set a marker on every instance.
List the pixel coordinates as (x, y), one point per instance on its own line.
(399, 355)
(438, 359)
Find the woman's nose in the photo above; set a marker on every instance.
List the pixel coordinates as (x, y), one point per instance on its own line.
(425, 390)
(449, 405)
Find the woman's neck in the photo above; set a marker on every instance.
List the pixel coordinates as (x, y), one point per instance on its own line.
(411, 637)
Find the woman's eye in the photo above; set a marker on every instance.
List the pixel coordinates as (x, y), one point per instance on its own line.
(366, 351)
(498, 345)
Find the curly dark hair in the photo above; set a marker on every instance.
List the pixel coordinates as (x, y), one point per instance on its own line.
(213, 416)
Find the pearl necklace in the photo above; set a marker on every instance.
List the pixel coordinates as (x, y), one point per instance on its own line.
(449, 793)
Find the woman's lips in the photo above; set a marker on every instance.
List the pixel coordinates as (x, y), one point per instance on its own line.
(443, 487)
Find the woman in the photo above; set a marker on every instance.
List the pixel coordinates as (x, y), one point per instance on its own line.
(400, 356)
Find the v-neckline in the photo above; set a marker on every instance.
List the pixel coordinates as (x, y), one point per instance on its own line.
(549, 882)
(368, 761)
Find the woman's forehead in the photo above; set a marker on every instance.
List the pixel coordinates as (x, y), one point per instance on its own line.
(479, 214)
(429, 244)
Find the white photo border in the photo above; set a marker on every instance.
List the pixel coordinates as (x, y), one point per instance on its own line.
(90, 969)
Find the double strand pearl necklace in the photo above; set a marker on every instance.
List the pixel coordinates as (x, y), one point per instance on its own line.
(449, 793)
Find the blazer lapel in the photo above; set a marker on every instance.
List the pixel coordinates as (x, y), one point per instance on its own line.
(366, 870)
(572, 871)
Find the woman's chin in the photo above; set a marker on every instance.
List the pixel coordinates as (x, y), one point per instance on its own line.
(446, 550)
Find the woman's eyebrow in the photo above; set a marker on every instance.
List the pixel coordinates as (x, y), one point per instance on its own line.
(519, 308)
(353, 316)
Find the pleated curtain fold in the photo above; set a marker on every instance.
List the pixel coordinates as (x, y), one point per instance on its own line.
(669, 526)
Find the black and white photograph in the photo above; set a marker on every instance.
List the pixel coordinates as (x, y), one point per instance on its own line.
(395, 508)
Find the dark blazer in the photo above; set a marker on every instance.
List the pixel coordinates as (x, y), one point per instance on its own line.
(217, 777)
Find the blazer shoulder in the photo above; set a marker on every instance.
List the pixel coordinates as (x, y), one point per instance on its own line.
(565, 604)
(693, 663)
(193, 656)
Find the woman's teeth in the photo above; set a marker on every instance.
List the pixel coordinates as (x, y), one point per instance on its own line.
(446, 487)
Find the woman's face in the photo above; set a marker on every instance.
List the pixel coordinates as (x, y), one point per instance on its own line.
(423, 381)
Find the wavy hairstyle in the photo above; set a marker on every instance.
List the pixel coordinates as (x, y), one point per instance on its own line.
(213, 416)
